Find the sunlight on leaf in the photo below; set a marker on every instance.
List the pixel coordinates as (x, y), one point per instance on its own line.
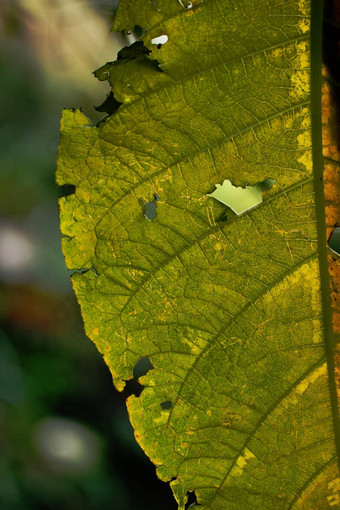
(231, 314)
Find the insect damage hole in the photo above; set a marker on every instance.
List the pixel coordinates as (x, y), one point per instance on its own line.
(186, 4)
(133, 386)
(159, 41)
(241, 199)
(66, 190)
(192, 500)
(142, 367)
(150, 207)
(166, 405)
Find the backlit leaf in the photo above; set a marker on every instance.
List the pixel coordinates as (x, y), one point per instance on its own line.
(233, 313)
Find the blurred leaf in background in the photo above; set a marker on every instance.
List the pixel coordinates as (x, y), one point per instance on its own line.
(65, 439)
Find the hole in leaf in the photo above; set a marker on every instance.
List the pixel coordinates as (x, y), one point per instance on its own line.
(162, 39)
(334, 240)
(150, 208)
(135, 50)
(186, 4)
(110, 105)
(166, 405)
(83, 270)
(67, 190)
(132, 386)
(142, 367)
(192, 500)
(241, 199)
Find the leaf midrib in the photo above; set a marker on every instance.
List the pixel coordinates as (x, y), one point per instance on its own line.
(318, 160)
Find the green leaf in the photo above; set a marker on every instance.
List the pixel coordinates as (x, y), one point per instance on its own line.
(233, 313)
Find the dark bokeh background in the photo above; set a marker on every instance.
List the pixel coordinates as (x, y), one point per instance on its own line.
(65, 439)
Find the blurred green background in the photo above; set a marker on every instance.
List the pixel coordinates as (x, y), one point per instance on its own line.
(65, 438)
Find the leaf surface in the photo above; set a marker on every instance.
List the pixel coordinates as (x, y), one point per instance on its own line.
(231, 311)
